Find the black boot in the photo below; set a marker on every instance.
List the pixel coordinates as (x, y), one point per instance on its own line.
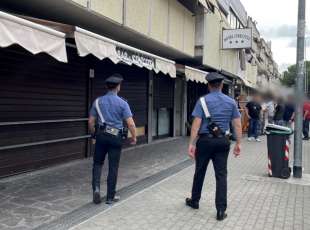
(221, 215)
(96, 196)
(114, 200)
(193, 204)
(96, 183)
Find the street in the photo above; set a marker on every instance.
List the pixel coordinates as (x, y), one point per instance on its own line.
(255, 201)
(153, 191)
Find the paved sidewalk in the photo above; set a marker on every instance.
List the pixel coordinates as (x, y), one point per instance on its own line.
(255, 201)
(30, 200)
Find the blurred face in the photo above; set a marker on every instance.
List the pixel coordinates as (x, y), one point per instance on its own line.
(256, 98)
(290, 99)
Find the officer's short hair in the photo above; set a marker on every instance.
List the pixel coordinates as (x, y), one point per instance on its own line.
(216, 84)
(113, 81)
(111, 86)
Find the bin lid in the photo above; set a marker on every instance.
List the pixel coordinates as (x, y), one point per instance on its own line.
(278, 129)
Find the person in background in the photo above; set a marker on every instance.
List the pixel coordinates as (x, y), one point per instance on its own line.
(237, 99)
(270, 108)
(279, 112)
(233, 133)
(263, 116)
(253, 112)
(289, 112)
(306, 119)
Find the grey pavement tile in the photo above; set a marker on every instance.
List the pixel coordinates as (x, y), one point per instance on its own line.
(62, 189)
(12, 221)
(252, 204)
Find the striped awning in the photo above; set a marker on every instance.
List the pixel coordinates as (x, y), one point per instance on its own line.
(32, 36)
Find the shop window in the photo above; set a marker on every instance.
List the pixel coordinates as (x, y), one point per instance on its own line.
(155, 123)
(162, 121)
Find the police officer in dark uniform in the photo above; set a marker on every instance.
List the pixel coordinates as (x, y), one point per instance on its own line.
(106, 123)
(213, 114)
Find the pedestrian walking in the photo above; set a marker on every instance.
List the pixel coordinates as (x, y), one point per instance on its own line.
(279, 112)
(212, 116)
(289, 112)
(306, 120)
(106, 123)
(270, 108)
(253, 112)
(233, 134)
(261, 123)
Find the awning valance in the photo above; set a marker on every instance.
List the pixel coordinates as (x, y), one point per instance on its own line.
(248, 83)
(91, 43)
(196, 75)
(33, 37)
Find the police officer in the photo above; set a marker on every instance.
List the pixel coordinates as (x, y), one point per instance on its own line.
(213, 114)
(106, 122)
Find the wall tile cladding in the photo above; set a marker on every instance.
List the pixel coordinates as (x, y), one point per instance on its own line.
(166, 21)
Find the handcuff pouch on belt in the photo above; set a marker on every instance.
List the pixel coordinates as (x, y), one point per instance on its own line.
(213, 128)
(107, 129)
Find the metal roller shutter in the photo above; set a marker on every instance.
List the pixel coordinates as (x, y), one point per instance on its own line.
(194, 92)
(163, 91)
(163, 106)
(43, 105)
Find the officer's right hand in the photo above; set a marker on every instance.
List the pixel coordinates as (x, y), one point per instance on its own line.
(192, 151)
(237, 150)
(133, 141)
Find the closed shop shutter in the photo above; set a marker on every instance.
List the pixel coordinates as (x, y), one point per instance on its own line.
(134, 88)
(194, 92)
(163, 106)
(37, 88)
(163, 91)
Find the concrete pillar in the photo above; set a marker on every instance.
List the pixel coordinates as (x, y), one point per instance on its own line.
(150, 107)
(184, 108)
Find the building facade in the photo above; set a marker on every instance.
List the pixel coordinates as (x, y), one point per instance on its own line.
(267, 68)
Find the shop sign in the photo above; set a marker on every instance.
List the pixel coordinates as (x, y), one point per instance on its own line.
(131, 57)
(237, 38)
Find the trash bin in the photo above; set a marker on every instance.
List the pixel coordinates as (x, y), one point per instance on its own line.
(278, 145)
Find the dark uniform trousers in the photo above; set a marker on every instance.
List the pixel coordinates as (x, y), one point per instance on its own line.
(111, 145)
(305, 129)
(217, 150)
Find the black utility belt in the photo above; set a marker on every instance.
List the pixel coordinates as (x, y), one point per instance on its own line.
(209, 135)
(106, 129)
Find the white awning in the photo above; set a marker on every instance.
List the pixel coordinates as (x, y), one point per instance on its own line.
(248, 83)
(196, 75)
(33, 37)
(204, 3)
(90, 43)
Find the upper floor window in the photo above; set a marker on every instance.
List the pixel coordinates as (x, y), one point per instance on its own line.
(234, 21)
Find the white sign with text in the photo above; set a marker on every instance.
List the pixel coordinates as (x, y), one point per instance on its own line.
(237, 39)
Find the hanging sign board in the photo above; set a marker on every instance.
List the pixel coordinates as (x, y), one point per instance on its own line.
(237, 38)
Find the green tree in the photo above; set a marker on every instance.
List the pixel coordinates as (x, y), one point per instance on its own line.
(290, 74)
